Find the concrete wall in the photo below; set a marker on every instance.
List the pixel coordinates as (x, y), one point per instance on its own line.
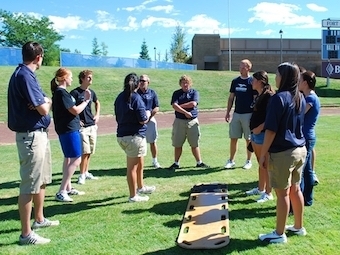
(265, 54)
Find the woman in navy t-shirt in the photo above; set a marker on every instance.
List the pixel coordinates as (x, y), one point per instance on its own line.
(285, 143)
(67, 125)
(131, 118)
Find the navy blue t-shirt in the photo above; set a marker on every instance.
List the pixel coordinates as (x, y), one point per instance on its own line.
(85, 116)
(24, 89)
(182, 97)
(64, 121)
(244, 94)
(150, 99)
(129, 114)
(286, 121)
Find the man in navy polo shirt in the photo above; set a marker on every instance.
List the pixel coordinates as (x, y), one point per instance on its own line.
(186, 125)
(28, 116)
(150, 99)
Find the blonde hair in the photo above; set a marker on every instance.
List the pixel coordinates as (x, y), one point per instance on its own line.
(247, 62)
(185, 78)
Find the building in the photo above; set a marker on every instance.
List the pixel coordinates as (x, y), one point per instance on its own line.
(210, 52)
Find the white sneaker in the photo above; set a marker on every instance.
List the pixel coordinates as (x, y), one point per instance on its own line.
(75, 192)
(230, 164)
(273, 237)
(254, 191)
(247, 165)
(138, 198)
(33, 238)
(146, 190)
(63, 197)
(156, 164)
(81, 179)
(300, 232)
(90, 176)
(265, 197)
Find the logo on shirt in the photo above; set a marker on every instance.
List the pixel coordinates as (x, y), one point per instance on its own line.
(241, 87)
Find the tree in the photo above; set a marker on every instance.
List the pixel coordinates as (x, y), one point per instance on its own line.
(77, 51)
(17, 29)
(178, 49)
(166, 56)
(144, 53)
(104, 49)
(95, 47)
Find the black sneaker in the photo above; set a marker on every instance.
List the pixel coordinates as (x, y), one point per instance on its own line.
(202, 165)
(173, 167)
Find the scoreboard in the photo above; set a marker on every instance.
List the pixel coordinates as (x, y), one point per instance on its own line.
(330, 44)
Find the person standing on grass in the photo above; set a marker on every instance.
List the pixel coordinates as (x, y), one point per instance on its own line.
(259, 105)
(150, 100)
(88, 123)
(307, 86)
(285, 143)
(186, 125)
(131, 118)
(242, 93)
(67, 125)
(28, 117)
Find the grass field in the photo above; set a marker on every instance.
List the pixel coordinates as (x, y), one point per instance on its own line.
(102, 222)
(213, 86)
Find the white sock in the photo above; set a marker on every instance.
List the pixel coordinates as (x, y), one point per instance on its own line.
(199, 162)
(154, 160)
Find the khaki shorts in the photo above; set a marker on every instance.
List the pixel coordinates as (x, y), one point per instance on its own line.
(134, 146)
(240, 125)
(89, 138)
(285, 168)
(185, 129)
(151, 131)
(35, 161)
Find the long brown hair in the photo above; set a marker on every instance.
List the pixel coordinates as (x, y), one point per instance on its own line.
(263, 77)
(60, 75)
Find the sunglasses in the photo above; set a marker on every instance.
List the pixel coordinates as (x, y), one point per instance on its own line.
(142, 80)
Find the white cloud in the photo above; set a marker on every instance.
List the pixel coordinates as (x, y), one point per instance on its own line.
(68, 23)
(132, 24)
(283, 14)
(105, 21)
(266, 32)
(163, 22)
(316, 8)
(165, 8)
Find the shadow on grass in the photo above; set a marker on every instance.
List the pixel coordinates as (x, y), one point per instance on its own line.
(235, 245)
(324, 91)
(65, 208)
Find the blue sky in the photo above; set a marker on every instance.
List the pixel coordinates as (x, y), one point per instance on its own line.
(122, 25)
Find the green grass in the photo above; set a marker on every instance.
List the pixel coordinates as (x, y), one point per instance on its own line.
(102, 222)
(108, 82)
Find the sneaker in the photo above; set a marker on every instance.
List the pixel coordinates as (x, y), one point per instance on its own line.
(230, 164)
(146, 190)
(202, 165)
(254, 191)
(315, 179)
(273, 237)
(90, 176)
(173, 167)
(81, 179)
(75, 192)
(138, 198)
(300, 232)
(63, 197)
(247, 165)
(265, 197)
(156, 165)
(33, 238)
(45, 223)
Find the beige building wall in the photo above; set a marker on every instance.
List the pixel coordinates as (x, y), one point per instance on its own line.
(210, 52)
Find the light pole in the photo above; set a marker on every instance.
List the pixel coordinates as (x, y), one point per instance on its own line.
(281, 32)
(155, 56)
(229, 35)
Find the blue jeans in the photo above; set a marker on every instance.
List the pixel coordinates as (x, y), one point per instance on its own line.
(307, 181)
